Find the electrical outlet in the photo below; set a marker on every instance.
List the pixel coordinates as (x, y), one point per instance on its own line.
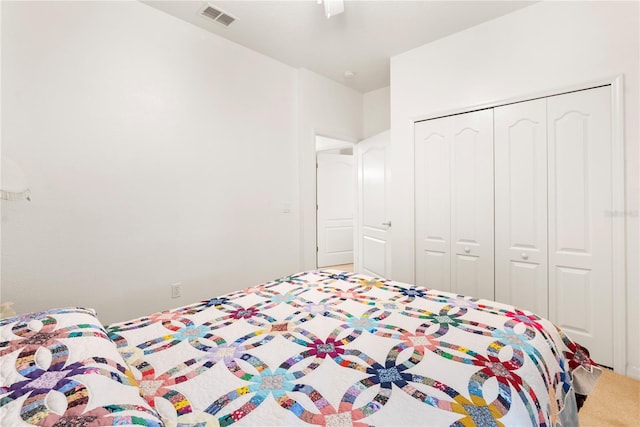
(176, 290)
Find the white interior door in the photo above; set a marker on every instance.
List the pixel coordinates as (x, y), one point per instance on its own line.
(433, 205)
(580, 228)
(335, 185)
(520, 150)
(374, 225)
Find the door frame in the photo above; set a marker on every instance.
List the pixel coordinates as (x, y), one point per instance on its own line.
(347, 144)
(618, 254)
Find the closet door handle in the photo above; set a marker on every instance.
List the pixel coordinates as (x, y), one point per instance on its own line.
(467, 250)
(524, 255)
(388, 223)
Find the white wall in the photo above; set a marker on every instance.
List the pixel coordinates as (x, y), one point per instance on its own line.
(376, 114)
(155, 152)
(329, 109)
(542, 47)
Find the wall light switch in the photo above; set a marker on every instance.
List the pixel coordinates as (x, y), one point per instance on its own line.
(176, 290)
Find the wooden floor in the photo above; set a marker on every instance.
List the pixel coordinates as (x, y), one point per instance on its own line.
(615, 401)
(343, 267)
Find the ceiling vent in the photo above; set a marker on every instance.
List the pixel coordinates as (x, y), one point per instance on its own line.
(217, 15)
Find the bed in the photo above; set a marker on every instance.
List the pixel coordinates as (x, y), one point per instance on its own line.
(314, 348)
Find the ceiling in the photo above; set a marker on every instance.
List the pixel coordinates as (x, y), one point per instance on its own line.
(362, 39)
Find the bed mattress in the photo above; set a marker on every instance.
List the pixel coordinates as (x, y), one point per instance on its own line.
(341, 349)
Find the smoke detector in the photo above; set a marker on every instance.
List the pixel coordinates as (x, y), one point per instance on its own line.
(217, 15)
(332, 7)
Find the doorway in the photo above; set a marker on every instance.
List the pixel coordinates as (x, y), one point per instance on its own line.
(335, 203)
(353, 228)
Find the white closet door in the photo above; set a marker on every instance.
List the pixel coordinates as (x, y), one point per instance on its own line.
(432, 201)
(580, 223)
(520, 146)
(454, 203)
(471, 172)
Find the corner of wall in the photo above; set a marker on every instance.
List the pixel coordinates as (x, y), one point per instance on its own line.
(330, 109)
(376, 111)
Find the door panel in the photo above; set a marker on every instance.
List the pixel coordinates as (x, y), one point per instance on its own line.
(471, 172)
(374, 256)
(574, 296)
(571, 185)
(374, 225)
(373, 166)
(432, 199)
(520, 146)
(434, 267)
(466, 270)
(526, 280)
(580, 231)
(335, 184)
(339, 239)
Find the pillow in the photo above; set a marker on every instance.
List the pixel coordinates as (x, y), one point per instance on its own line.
(59, 368)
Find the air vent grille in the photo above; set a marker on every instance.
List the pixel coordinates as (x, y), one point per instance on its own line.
(217, 15)
(211, 12)
(225, 19)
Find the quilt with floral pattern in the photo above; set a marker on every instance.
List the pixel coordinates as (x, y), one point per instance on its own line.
(342, 349)
(59, 368)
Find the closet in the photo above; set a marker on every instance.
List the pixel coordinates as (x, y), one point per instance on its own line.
(513, 203)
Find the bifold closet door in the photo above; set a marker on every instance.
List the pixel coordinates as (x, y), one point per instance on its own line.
(472, 225)
(580, 223)
(432, 203)
(520, 148)
(454, 204)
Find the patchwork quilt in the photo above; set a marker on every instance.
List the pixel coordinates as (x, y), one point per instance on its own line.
(59, 368)
(315, 348)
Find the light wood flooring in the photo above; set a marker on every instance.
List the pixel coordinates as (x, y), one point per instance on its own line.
(342, 267)
(615, 401)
